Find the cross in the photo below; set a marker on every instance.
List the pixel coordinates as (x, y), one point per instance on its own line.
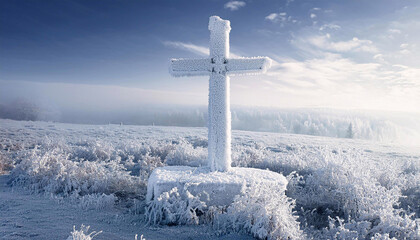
(219, 66)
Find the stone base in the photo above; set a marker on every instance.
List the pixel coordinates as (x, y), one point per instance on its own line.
(214, 188)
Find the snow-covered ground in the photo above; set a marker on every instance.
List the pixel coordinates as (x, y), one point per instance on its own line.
(28, 216)
(97, 175)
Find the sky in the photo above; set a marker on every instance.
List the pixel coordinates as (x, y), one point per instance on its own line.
(345, 54)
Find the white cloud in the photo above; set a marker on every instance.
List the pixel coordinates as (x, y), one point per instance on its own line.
(342, 82)
(288, 2)
(313, 15)
(404, 51)
(282, 18)
(380, 58)
(356, 45)
(316, 9)
(329, 26)
(234, 5)
(200, 50)
(395, 31)
(272, 16)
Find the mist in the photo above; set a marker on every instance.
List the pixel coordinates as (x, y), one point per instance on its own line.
(392, 127)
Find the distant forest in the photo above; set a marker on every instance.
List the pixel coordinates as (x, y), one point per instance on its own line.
(320, 122)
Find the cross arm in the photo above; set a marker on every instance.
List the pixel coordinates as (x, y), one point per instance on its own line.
(244, 65)
(189, 67)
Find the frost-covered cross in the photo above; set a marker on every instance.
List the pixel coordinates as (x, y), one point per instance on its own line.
(219, 66)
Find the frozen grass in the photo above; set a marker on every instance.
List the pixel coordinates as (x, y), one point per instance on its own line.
(338, 188)
(6, 163)
(82, 234)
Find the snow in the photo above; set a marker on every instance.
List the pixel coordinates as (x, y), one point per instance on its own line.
(83, 233)
(219, 38)
(215, 188)
(189, 67)
(28, 216)
(219, 66)
(240, 197)
(247, 66)
(219, 123)
(337, 187)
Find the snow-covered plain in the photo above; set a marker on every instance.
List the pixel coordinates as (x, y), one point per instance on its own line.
(97, 175)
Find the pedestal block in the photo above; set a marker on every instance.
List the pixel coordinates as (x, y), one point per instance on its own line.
(213, 188)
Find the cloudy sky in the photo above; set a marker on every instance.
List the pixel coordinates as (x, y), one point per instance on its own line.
(348, 54)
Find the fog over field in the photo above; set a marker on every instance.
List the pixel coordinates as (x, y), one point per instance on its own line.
(396, 127)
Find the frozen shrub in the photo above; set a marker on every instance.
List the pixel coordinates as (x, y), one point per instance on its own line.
(265, 212)
(147, 165)
(175, 207)
(6, 164)
(53, 172)
(141, 237)
(262, 211)
(342, 188)
(82, 234)
(97, 201)
(185, 154)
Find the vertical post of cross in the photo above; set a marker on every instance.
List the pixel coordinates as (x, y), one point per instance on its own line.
(219, 123)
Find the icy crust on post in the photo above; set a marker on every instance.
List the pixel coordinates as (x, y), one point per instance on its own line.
(189, 67)
(219, 38)
(219, 123)
(232, 66)
(216, 23)
(219, 66)
(215, 188)
(248, 66)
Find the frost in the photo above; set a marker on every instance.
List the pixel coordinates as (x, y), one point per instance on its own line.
(82, 234)
(265, 212)
(219, 65)
(190, 67)
(174, 207)
(337, 187)
(98, 201)
(215, 188)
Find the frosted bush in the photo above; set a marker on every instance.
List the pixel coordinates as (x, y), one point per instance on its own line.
(339, 229)
(175, 207)
(394, 227)
(141, 237)
(341, 188)
(6, 164)
(82, 234)
(186, 154)
(147, 165)
(97, 201)
(53, 172)
(334, 191)
(265, 212)
(329, 183)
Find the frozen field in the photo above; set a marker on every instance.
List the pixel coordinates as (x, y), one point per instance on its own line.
(97, 175)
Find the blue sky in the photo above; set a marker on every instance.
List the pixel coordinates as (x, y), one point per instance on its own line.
(339, 54)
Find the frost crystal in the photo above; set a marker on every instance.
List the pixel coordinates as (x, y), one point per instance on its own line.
(219, 66)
